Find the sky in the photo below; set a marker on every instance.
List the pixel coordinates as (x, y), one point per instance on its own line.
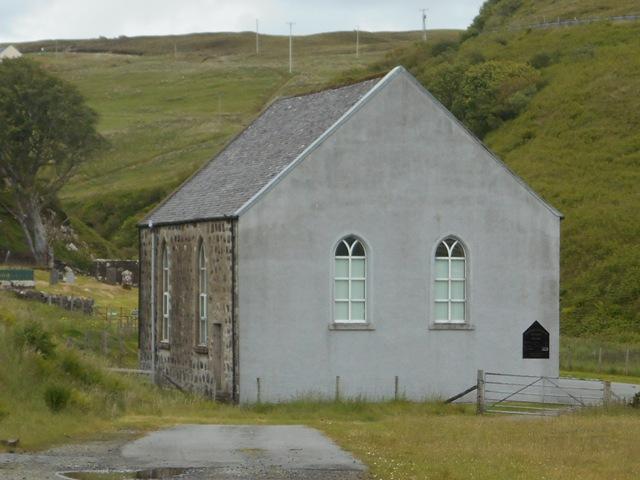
(24, 20)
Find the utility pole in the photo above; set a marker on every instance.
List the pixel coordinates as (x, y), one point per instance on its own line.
(291, 24)
(357, 41)
(257, 39)
(424, 24)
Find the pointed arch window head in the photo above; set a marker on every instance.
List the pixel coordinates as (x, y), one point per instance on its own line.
(450, 287)
(166, 296)
(350, 281)
(203, 333)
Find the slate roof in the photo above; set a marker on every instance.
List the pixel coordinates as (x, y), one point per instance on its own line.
(265, 148)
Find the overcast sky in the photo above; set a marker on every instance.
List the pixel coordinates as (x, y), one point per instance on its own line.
(23, 20)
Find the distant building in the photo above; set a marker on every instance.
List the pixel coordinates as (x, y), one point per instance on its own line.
(9, 52)
(358, 242)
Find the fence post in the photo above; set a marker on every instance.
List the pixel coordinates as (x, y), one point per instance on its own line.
(480, 393)
(626, 362)
(395, 390)
(337, 388)
(258, 392)
(600, 359)
(606, 393)
(105, 346)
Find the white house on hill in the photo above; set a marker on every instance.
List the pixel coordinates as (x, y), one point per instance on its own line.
(357, 241)
(9, 52)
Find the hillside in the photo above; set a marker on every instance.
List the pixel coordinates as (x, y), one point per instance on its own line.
(572, 132)
(168, 104)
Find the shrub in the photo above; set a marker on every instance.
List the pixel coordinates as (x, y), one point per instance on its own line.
(57, 397)
(635, 402)
(540, 60)
(72, 366)
(37, 338)
(444, 46)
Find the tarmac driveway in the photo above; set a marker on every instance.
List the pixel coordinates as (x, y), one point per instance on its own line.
(217, 452)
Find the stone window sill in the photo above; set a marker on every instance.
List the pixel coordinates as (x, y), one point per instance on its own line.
(164, 346)
(201, 349)
(451, 326)
(351, 326)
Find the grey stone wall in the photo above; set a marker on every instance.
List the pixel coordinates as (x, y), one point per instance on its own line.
(209, 370)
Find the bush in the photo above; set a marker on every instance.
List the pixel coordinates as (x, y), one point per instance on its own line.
(540, 60)
(72, 366)
(57, 397)
(444, 46)
(35, 337)
(635, 402)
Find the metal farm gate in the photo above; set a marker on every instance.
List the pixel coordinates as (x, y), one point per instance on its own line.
(502, 393)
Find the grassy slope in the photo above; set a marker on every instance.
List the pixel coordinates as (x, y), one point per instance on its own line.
(578, 144)
(165, 114)
(397, 440)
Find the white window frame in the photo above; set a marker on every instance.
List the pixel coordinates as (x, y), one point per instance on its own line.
(203, 334)
(349, 279)
(165, 325)
(449, 279)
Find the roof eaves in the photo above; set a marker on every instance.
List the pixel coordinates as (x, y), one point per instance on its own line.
(318, 141)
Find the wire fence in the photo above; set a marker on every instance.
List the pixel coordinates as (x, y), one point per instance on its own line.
(558, 22)
(586, 355)
(112, 332)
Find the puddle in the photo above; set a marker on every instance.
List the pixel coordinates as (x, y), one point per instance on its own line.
(150, 474)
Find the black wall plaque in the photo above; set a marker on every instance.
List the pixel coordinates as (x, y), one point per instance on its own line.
(535, 342)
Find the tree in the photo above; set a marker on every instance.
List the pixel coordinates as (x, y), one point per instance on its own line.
(46, 132)
(496, 91)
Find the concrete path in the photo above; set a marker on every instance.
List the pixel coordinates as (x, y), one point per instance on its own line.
(218, 452)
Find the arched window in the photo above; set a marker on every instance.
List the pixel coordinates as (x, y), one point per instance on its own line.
(450, 288)
(166, 296)
(350, 277)
(202, 296)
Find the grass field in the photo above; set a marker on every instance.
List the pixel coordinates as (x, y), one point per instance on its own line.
(397, 440)
(105, 295)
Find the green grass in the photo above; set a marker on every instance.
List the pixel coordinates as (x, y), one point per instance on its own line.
(104, 294)
(399, 439)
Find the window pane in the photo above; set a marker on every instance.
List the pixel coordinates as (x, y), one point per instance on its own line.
(357, 268)
(457, 268)
(165, 304)
(442, 268)
(442, 250)
(357, 290)
(342, 290)
(442, 290)
(342, 268)
(357, 250)
(342, 250)
(357, 311)
(457, 312)
(342, 311)
(457, 290)
(442, 312)
(458, 251)
(203, 306)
